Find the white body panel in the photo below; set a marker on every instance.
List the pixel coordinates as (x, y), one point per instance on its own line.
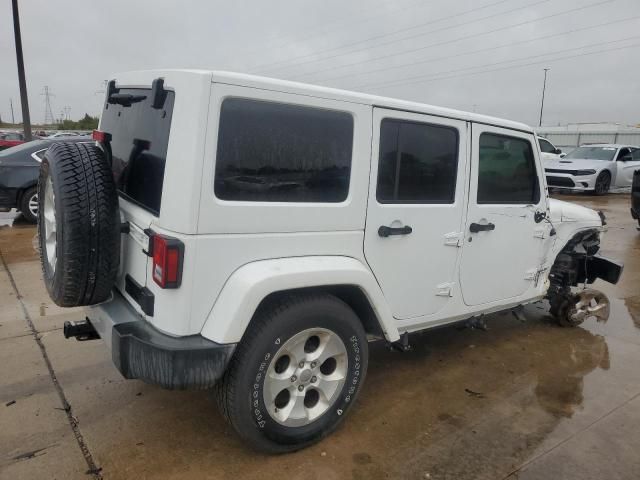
(417, 272)
(513, 251)
(238, 252)
(249, 285)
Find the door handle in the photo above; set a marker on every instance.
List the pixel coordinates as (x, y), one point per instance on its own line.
(479, 227)
(385, 231)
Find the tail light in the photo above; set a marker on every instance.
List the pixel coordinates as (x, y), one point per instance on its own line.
(100, 136)
(168, 254)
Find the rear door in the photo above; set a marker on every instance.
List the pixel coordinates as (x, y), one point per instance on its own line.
(503, 253)
(139, 137)
(415, 209)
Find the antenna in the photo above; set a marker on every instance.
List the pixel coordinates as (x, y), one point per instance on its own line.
(48, 114)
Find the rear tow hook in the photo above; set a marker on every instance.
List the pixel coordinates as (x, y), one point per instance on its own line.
(81, 331)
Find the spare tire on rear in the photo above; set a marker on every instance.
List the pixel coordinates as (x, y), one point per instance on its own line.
(78, 224)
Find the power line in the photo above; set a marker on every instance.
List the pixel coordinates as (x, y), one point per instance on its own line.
(324, 31)
(415, 80)
(465, 37)
(504, 61)
(482, 50)
(272, 66)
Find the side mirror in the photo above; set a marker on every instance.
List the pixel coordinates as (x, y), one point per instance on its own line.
(626, 158)
(557, 151)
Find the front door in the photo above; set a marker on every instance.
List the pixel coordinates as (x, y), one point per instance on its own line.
(503, 247)
(415, 210)
(627, 162)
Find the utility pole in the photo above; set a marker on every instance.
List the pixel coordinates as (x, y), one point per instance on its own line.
(544, 87)
(13, 120)
(26, 119)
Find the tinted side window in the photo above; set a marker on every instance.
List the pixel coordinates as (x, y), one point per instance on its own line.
(546, 147)
(506, 170)
(274, 152)
(418, 163)
(623, 152)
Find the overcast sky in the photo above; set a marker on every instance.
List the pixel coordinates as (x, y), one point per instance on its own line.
(486, 55)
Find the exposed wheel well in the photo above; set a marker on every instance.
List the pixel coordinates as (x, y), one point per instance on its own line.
(349, 294)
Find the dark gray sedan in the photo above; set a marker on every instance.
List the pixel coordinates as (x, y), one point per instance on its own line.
(19, 169)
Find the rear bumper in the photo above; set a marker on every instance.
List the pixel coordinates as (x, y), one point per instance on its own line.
(141, 351)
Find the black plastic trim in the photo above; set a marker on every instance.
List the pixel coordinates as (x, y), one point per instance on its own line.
(177, 363)
(599, 267)
(142, 295)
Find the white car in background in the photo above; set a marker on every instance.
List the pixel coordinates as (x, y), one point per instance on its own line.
(594, 168)
(548, 151)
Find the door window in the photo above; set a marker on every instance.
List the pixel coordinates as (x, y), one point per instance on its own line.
(624, 152)
(418, 163)
(546, 147)
(506, 171)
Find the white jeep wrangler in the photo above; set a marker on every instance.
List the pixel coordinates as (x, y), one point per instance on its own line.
(253, 235)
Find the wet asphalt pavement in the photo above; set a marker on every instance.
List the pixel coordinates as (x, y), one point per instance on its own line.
(520, 401)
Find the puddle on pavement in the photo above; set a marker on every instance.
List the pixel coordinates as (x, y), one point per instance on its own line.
(462, 404)
(18, 238)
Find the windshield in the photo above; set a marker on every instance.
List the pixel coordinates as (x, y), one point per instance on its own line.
(593, 153)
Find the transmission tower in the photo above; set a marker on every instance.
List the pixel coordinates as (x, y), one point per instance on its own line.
(48, 114)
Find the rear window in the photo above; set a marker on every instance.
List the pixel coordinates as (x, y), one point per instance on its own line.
(139, 140)
(275, 152)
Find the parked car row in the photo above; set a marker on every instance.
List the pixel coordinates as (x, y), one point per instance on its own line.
(11, 139)
(19, 169)
(593, 168)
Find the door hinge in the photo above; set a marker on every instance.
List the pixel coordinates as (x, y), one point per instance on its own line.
(453, 239)
(445, 290)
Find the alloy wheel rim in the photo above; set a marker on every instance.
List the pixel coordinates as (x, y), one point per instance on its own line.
(601, 184)
(305, 377)
(50, 233)
(33, 205)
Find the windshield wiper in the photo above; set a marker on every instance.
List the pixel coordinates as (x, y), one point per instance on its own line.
(125, 99)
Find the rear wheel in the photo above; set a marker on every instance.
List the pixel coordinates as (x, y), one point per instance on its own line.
(78, 224)
(29, 204)
(603, 183)
(295, 374)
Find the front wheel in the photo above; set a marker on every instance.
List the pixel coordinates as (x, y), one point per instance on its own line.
(295, 374)
(603, 183)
